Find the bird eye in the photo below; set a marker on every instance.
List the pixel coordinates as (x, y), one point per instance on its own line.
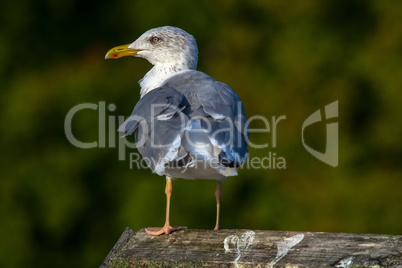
(155, 39)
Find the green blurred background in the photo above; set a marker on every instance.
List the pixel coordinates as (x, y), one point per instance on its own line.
(62, 206)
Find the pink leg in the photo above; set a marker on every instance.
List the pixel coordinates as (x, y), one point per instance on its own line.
(166, 229)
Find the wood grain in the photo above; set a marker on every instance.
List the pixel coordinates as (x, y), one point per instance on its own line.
(248, 248)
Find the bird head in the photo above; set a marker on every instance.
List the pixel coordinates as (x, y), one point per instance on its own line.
(161, 46)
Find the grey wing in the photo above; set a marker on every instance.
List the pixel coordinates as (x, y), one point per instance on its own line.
(158, 122)
(225, 122)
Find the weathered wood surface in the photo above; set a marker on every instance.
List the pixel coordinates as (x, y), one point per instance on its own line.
(246, 248)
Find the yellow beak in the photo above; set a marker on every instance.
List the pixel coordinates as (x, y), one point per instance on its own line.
(121, 51)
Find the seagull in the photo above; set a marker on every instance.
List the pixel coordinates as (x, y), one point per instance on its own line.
(186, 124)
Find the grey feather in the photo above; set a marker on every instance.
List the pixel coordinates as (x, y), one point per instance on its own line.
(209, 97)
(155, 138)
(163, 115)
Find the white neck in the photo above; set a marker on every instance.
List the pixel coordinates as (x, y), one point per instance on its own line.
(154, 77)
(159, 73)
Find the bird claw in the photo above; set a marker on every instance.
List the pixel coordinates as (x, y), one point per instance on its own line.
(163, 230)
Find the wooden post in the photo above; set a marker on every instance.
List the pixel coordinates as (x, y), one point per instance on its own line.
(247, 248)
